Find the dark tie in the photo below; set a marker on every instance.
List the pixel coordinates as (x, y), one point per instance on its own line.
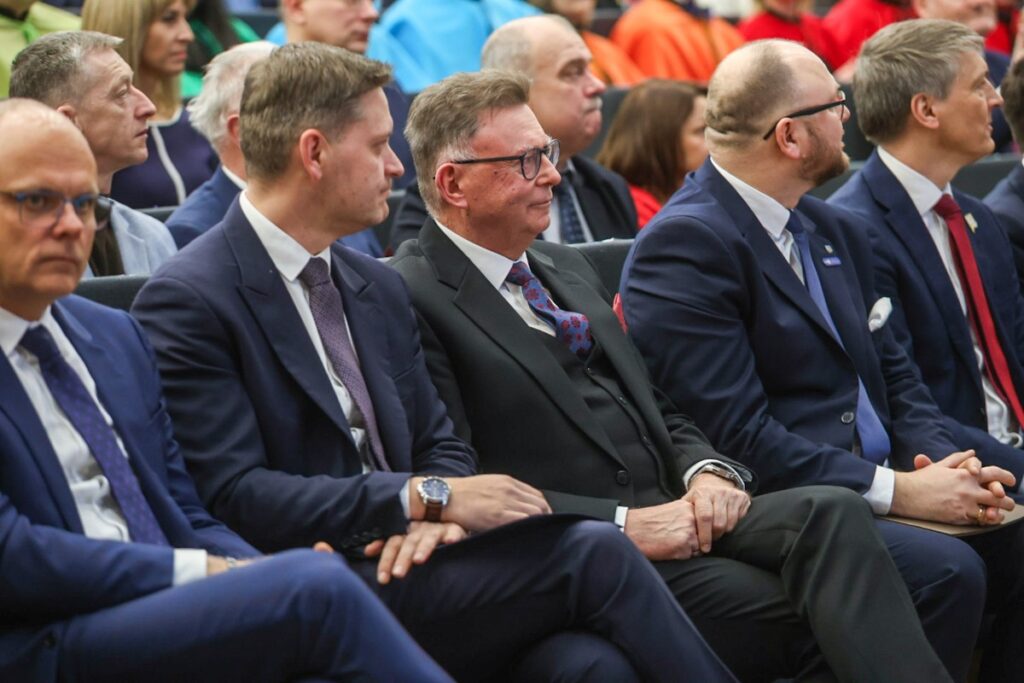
(569, 219)
(74, 399)
(874, 441)
(329, 315)
(978, 313)
(572, 329)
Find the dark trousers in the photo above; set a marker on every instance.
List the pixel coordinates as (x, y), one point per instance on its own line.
(296, 615)
(476, 606)
(807, 566)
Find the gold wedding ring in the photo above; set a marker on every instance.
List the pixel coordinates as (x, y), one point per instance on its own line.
(981, 515)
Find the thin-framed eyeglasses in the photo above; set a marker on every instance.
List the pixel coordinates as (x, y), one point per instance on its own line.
(810, 111)
(529, 161)
(42, 209)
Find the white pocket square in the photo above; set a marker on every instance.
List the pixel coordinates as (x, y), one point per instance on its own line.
(879, 314)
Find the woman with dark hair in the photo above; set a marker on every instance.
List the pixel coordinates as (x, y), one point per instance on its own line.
(216, 31)
(657, 137)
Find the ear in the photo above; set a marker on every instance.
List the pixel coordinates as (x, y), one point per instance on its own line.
(923, 111)
(232, 127)
(312, 150)
(292, 10)
(920, 7)
(68, 110)
(788, 138)
(448, 181)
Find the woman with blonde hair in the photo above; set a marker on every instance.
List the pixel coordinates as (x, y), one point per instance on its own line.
(657, 137)
(156, 37)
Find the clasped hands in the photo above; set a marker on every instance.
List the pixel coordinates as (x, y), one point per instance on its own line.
(957, 490)
(687, 527)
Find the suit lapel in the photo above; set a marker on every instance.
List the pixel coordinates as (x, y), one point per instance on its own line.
(905, 222)
(274, 311)
(484, 306)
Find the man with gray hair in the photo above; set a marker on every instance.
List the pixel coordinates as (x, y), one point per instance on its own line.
(590, 202)
(755, 308)
(301, 400)
(81, 75)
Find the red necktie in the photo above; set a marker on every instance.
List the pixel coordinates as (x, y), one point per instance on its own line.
(978, 312)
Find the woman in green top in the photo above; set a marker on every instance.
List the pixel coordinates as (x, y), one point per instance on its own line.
(216, 31)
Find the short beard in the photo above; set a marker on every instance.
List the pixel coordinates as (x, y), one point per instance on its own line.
(821, 165)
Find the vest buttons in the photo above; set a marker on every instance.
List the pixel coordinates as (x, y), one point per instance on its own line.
(847, 417)
(622, 478)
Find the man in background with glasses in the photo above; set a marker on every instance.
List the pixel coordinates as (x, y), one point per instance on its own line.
(535, 370)
(755, 309)
(111, 567)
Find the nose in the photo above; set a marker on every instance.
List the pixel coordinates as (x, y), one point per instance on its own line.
(185, 34)
(994, 98)
(69, 222)
(594, 84)
(145, 107)
(370, 12)
(393, 167)
(548, 174)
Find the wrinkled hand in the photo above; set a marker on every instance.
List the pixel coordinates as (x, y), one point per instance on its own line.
(664, 532)
(717, 506)
(489, 500)
(401, 551)
(951, 490)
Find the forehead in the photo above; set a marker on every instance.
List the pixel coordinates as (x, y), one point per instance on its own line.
(373, 117)
(103, 69)
(44, 156)
(972, 66)
(555, 46)
(512, 129)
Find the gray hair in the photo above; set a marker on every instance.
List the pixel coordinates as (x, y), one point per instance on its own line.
(222, 89)
(510, 47)
(299, 87)
(50, 69)
(444, 118)
(903, 60)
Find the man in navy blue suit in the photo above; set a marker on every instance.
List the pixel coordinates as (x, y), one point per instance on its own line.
(297, 383)
(755, 309)
(1007, 198)
(214, 113)
(929, 122)
(111, 569)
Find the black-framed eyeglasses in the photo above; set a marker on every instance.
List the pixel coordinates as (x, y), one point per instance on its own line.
(42, 209)
(809, 112)
(529, 161)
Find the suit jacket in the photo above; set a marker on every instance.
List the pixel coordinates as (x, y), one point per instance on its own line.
(258, 421)
(603, 195)
(927, 319)
(734, 338)
(49, 571)
(144, 241)
(207, 206)
(1007, 202)
(507, 394)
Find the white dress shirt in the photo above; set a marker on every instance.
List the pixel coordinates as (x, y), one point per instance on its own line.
(925, 195)
(553, 233)
(494, 267)
(97, 509)
(773, 216)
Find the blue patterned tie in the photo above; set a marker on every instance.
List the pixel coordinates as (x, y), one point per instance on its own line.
(329, 316)
(74, 399)
(874, 441)
(570, 227)
(572, 329)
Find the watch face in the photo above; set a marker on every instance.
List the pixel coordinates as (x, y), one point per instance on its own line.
(435, 489)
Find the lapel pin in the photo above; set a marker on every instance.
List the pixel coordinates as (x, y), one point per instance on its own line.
(829, 249)
(971, 222)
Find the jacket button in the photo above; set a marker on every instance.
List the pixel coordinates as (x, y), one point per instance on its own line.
(622, 477)
(847, 417)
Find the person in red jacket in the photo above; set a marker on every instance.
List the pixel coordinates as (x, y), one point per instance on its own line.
(793, 20)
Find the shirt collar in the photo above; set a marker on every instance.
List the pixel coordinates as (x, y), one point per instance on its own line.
(492, 265)
(13, 328)
(239, 183)
(923, 192)
(289, 256)
(769, 212)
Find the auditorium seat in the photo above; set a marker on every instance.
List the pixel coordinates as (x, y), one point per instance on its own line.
(161, 213)
(979, 178)
(607, 257)
(117, 291)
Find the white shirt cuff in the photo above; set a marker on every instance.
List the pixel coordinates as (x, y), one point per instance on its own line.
(883, 487)
(620, 517)
(403, 498)
(694, 469)
(189, 565)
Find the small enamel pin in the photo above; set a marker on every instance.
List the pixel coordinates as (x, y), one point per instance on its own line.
(829, 249)
(973, 224)
(831, 261)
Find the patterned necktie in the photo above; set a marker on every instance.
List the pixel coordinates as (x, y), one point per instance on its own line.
(329, 316)
(978, 313)
(78, 405)
(572, 329)
(874, 441)
(570, 227)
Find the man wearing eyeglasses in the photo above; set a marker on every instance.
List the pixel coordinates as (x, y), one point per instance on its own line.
(111, 567)
(755, 309)
(535, 370)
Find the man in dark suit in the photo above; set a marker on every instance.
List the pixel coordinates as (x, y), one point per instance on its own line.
(214, 113)
(589, 424)
(304, 408)
(1007, 198)
(590, 203)
(761, 321)
(968, 350)
(111, 567)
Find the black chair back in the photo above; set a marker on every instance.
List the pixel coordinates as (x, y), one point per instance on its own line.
(161, 213)
(981, 177)
(383, 229)
(608, 258)
(117, 291)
